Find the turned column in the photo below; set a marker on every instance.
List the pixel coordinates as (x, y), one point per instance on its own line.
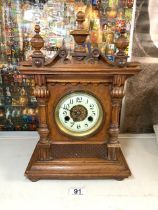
(41, 93)
(117, 94)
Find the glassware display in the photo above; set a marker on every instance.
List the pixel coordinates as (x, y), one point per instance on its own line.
(104, 20)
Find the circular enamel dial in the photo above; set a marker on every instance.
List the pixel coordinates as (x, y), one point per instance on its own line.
(78, 114)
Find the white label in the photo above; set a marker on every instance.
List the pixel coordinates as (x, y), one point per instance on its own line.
(77, 191)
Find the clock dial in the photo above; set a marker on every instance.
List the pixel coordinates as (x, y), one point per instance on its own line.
(78, 114)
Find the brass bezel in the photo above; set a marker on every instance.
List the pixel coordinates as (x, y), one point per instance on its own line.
(83, 133)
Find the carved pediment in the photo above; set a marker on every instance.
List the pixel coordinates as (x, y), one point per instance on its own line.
(81, 55)
(63, 58)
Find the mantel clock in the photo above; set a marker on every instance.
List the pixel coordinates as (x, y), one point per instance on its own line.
(79, 98)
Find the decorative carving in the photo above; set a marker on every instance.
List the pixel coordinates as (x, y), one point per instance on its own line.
(63, 53)
(95, 53)
(119, 80)
(117, 94)
(83, 82)
(40, 80)
(41, 92)
(112, 151)
(80, 35)
(44, 152)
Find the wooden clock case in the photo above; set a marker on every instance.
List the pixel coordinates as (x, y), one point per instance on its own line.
(60, 156)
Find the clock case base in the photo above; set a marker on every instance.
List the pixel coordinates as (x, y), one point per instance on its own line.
(77, 168)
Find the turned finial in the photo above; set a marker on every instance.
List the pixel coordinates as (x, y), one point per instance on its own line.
(80, 34)
(121, 43)
(80, 19)
(37, 29)
(37, 41)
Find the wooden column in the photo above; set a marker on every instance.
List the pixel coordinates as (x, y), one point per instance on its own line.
(41, 93)
(117, 94)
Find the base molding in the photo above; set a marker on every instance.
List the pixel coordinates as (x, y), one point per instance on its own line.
(77, 168)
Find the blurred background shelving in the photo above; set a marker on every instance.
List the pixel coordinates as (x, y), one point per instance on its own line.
(104, 20)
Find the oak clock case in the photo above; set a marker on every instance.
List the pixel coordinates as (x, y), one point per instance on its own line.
(79, 103)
